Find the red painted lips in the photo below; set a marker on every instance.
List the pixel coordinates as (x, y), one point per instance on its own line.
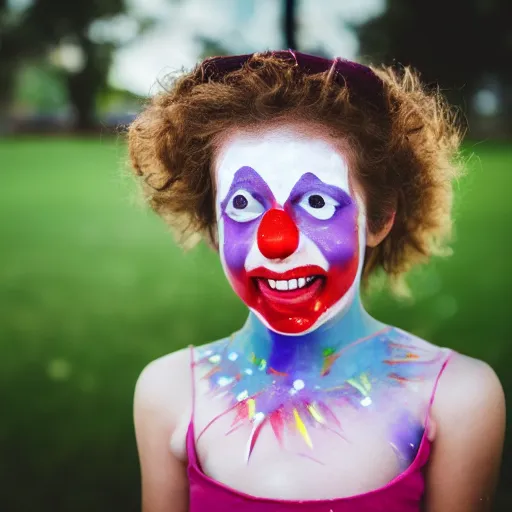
(294, 273)
(292, 301)
(286, 295)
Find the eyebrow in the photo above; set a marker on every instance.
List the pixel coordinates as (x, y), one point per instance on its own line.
(247, 177)
(309, 182)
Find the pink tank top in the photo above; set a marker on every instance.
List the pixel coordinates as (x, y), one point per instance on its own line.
(402, 494)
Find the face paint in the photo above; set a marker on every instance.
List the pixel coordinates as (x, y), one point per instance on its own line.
(290, 227)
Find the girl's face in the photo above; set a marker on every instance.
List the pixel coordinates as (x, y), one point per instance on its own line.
(291, 227)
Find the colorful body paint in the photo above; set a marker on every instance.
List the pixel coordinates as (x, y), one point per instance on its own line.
(312, 389)
(292, 239)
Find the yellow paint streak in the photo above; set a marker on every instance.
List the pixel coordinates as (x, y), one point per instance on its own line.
(366, 382)
(315, 414)
(302, 428)
(355, 384)
(251, 408)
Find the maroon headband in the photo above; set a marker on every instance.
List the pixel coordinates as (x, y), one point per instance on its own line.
(361, 80)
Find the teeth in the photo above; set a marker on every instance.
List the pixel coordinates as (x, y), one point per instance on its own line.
(282, 285)
(291, 284)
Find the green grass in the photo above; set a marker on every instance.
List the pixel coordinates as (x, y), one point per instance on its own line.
(92, 288)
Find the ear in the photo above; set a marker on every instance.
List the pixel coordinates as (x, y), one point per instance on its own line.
(374, 238)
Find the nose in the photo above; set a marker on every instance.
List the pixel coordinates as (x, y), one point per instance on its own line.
(278, 236)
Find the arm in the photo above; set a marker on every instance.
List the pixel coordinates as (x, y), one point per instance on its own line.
(157, 407)
(469, 418)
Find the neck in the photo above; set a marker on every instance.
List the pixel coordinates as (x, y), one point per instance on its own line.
(284, 353)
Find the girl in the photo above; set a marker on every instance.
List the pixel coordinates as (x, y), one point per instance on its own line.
(307, 175)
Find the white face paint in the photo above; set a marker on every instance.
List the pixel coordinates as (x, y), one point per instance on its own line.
(264, 171)
(280, 156)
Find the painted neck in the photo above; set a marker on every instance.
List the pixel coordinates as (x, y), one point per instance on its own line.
(285, 353)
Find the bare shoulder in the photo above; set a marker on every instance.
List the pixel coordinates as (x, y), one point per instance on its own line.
(162, 387)
(165, 385)
(469, 419)
(469, 389)
(161, 405)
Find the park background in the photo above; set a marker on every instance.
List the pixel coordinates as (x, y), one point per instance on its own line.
(92, 285)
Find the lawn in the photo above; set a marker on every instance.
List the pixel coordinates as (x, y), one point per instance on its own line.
(92, 288)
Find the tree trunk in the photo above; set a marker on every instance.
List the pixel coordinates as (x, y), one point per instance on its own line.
(82, 95)
(84, 86)
(289, 24)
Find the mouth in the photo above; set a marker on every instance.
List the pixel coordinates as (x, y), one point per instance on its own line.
(286, 285)
(294, 287)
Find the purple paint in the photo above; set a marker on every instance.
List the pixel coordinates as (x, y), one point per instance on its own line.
(239, 236)
(335, 237)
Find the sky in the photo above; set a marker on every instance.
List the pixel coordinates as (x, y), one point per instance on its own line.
(241, 26)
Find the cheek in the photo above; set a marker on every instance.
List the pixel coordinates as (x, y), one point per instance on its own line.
(337, 238)
(236, 241)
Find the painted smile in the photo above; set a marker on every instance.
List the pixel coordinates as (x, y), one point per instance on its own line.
(295, 287)
(290, 284)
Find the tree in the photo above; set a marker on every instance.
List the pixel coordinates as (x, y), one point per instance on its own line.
(15, 43)
(56, 21)
(456, 44)
(46, 25)
(290, 24)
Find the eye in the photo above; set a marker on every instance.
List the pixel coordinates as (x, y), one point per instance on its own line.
(320, 206)
(240, 202)
(316, 201)
(243, 207)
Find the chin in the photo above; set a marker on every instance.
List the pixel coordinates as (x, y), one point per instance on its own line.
(300, 326)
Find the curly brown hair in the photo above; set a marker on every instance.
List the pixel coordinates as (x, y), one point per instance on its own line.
(404, 155)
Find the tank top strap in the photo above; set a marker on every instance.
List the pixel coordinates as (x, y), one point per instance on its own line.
(444, 363)
(193, 383)
(190, 442)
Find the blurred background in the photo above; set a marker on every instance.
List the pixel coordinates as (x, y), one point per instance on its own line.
(93, 287)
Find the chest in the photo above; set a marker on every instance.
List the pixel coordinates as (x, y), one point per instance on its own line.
(356, 452)
(345, 426)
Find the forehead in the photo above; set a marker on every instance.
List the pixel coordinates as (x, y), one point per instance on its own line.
(280, 156)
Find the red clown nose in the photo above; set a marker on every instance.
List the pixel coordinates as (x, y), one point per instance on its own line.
(278, 236)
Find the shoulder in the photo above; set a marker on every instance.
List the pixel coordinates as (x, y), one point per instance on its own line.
(469, 420)
(469, 406)
(468, 390)
(165, 385)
